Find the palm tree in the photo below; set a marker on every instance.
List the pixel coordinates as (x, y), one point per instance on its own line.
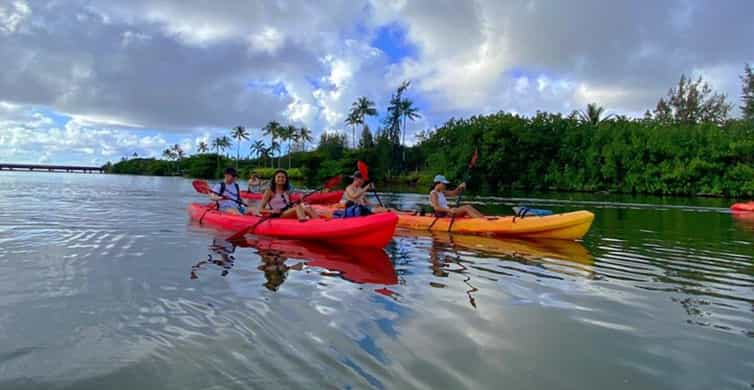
(168, 154)
(256, 148)
(352, 120)
(265, 153)
(362, 108)
(135, 155)
(274, 148)
(593, 114)
(178, 151)
(408, 112)
(395, 114)
(295, 138)
(218, 144)
(240, 134)
(225, 144)
(273, 130)
(178, 154)
(202, 148)
(288, 134)
(305, 135)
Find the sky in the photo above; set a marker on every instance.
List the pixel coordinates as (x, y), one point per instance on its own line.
(91, 81)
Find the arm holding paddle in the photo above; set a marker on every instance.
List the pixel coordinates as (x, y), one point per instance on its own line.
(457, 191)
(364, 172)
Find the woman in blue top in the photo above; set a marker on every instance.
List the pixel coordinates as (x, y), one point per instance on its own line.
(278, 198)
(438, 199)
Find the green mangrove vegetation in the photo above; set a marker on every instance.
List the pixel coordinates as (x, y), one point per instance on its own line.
(687, 145)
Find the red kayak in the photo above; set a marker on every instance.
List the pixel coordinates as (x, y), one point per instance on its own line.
(316, 198)
(358, 265)
(748, 206)
(371, 231)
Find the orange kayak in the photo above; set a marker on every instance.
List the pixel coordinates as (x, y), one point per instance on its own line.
(564, 226)
(371, 231)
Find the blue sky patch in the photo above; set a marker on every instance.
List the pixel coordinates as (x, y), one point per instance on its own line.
(391, 39)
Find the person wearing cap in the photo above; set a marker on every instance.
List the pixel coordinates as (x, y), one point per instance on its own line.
(438, 199)
(355, 193)
(227, 195)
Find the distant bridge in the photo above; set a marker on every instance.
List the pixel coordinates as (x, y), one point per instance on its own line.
(50, 168)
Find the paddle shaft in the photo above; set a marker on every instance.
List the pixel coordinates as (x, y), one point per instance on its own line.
(374, 192)
(240, 203)
(453, 216)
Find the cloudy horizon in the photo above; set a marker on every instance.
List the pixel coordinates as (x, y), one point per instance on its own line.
(87, 82)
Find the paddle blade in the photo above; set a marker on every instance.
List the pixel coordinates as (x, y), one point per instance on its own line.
(333, 182)
(363, 169)
(474, 157)
(201, 186)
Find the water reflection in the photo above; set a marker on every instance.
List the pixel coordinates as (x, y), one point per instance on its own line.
(221, 255)
(357, 265)
(561, 256)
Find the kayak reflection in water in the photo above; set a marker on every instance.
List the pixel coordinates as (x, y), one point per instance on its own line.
(223, 257)
(442, 258)
(438, 199)
(274, 268)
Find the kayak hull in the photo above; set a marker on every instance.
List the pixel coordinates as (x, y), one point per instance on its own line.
(565, 226)
(373, 231)
(316, 198)
(746, 206)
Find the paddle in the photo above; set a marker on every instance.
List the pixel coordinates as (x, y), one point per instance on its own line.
(364, 170)
(472, 163)
(330, 183)
(202, 187)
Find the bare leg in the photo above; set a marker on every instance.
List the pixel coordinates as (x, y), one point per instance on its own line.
(290, 213)
(310, 212)
(471, 211)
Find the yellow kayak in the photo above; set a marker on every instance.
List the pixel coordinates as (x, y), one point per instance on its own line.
(565, 226)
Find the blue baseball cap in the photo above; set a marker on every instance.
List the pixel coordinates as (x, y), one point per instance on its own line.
(441, 179)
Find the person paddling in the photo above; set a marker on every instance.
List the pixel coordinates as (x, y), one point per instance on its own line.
(254, 184)
(355, 193)
(438, 199)
(227, 195)
(278, 198)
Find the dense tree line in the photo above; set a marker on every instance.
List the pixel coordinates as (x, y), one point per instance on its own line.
(687, 145)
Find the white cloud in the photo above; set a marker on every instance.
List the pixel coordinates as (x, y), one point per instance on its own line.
(12, 15)
(132, 38)
(269, 40)
(182, 67)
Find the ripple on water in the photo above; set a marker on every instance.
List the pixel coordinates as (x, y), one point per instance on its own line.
(106, 297)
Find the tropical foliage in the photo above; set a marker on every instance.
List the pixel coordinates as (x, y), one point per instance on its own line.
(687, 145)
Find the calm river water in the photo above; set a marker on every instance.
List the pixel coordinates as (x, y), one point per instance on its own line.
(105, 284)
